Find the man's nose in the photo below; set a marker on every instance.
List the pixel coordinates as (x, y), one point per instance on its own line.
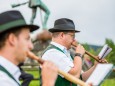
(30, 45)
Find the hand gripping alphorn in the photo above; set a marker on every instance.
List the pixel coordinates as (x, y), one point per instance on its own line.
(66, 75)
(86, 52)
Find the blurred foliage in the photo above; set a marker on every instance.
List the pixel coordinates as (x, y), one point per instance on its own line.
(111, 57)
(93, 49)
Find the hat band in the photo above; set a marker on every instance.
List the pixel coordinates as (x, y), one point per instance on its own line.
(62, 26)
(12, 24)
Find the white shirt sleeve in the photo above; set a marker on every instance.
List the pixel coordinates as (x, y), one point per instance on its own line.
(59, 58)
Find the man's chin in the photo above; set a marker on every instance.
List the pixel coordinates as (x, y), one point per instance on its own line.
(68, 48)
(24, 59)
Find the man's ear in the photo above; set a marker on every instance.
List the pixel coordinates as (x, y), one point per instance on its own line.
(61, 35)
(12, 39)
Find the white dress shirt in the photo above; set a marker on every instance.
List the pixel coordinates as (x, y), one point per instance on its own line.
(62, 60)
(5, 80)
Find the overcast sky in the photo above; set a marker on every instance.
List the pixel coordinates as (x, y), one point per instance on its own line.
(94, 18)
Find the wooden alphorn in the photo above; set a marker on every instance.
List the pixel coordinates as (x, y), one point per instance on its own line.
(67, 76)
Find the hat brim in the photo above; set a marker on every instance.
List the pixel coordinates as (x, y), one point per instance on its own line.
(62, 30)
(32, 27)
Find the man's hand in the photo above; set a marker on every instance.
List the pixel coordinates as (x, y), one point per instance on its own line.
(100, 61)
(90, 84)
(49, 73)
(80, 49)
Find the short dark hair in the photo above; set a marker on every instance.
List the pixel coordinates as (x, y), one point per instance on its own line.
(55, 34)
(5, 35)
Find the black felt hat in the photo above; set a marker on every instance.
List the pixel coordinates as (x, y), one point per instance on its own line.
(12, 19)
(63, 24)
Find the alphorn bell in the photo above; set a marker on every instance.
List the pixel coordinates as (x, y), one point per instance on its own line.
(67, 76)
(91, 55)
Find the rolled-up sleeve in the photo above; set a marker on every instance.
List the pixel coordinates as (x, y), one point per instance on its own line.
(58, 58)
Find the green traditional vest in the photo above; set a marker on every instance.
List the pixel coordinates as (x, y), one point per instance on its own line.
(60, 81)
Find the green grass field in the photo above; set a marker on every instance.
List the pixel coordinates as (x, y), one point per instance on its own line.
(107, 82)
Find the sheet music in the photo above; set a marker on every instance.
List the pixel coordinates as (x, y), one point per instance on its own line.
(105, 51)
(99, 74)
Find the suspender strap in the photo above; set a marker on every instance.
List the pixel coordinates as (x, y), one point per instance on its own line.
(5, 71)
(53, 46)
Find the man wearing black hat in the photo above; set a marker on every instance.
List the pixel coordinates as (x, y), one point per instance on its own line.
(14, 44)
(63, 35)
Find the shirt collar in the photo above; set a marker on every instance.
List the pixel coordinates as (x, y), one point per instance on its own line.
(59, 46)
(10, 67)
(63, 48)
